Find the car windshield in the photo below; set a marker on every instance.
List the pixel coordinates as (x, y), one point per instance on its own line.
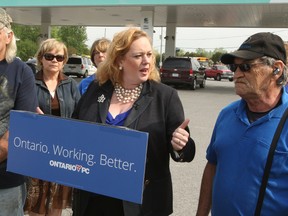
(74, 61)
(176, 63)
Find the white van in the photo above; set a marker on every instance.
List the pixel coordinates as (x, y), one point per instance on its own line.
(79, 66)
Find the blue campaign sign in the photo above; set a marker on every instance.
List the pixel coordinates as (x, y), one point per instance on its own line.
(98, 158)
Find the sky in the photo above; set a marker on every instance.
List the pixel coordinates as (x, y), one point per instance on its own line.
(189, 39)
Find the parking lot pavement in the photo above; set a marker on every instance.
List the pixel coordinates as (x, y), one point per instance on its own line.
(201, 107)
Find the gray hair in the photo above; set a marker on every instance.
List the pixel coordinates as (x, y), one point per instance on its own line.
(11, 48)
(282, 80)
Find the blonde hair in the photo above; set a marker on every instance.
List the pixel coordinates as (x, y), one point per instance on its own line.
(11, 48)
(47, 46)
(120, 45)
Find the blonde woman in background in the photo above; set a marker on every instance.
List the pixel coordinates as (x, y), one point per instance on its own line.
(58, 95)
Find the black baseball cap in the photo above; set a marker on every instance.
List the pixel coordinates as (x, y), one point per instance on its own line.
(256, 46)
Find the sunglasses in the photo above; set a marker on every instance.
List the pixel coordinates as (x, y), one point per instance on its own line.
(50, 57)
(245, 67)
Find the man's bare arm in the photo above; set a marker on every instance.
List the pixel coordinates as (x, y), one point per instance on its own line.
(4, 146)
(205, 199)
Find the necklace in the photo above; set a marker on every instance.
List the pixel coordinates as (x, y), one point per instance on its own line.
(127, 95)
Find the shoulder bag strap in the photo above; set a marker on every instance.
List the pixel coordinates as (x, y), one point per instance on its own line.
(269, 163)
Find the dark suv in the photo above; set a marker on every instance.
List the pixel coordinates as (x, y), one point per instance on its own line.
(182, 70)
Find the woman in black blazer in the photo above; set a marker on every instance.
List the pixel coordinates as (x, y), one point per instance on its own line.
(128, 87)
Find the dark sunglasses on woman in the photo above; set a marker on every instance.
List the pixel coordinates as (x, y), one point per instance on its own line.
(50, 57)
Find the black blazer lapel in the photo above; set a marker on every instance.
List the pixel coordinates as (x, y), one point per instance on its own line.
(139, 106)
(103, 105)
(103, 110)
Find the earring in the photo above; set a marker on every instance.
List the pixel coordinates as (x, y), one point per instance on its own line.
(120, 68)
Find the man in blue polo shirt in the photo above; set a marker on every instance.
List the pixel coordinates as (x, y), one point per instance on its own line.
(243, 134)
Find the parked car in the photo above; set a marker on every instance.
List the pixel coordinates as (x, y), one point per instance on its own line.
(219, 72)
(80, 66)
(182, 71)
(32, 64)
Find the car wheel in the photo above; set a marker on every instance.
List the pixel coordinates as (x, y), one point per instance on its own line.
(231, 79)
(203, 84)
(218, 77)
(194, 84)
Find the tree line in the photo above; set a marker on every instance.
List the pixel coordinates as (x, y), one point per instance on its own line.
(29, 37)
